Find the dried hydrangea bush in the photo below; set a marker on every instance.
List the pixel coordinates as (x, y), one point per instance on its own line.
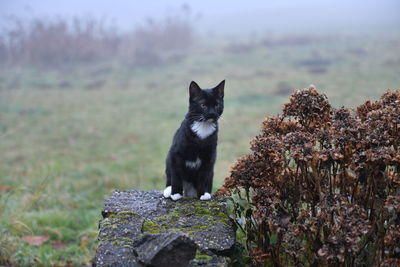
(322, 185)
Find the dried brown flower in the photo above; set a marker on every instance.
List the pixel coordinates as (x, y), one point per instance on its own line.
(322, 184)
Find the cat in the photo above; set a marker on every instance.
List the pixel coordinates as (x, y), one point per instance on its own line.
(191, 158)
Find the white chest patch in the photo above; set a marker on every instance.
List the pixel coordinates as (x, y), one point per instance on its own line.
(193, 164)
(203, 129)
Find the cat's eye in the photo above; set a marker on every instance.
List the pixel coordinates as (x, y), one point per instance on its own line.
(203, 106)
(216, 106)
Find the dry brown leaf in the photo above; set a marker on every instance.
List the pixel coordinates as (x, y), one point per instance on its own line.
(5, 188)
(58, 245)
(35, 240)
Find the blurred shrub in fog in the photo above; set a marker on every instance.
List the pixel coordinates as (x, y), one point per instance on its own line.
(173, 34)
(55, 42)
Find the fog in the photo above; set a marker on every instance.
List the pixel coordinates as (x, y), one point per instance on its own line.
(92, 92)
(227, 18)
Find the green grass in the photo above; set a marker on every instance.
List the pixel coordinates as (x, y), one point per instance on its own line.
(64, 149)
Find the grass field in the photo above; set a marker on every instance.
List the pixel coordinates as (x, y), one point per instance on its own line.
(69, 137)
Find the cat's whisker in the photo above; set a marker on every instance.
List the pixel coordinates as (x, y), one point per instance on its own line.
(196, 117)
(223, 120)
(201, 118)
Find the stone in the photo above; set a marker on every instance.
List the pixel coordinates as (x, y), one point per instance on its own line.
(166, 249)
(140, 228)
(116, 237)
(143, 203)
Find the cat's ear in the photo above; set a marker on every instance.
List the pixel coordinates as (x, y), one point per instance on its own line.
(194, 90)
(219, 89)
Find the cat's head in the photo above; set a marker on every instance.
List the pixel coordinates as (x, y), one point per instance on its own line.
(206, 105)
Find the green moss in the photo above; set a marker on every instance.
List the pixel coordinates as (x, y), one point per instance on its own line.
(126, 212)
(188, 231)
(125, 239)
(151, 227)
(211, 213)
(116, 219)
(206, 215)
(117, 241)
(203, 212)
(203, 257)
(208, 209)
(124, 215)
(223, 215)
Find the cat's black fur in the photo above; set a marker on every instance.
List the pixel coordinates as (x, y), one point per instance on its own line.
(190, 147)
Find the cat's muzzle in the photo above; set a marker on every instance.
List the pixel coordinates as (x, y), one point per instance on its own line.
(212, 118)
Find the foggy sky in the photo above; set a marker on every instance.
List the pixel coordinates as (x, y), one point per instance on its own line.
(226, 17)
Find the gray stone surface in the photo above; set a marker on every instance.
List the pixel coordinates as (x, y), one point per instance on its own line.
(166, 249)
(116, 236)
(144, 203)
(135, 221)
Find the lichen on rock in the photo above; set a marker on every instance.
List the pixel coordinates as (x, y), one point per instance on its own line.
(134, 221)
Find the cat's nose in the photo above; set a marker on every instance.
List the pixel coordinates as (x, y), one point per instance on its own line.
(212, 116)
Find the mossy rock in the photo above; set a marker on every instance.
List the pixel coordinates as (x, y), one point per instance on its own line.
(205, 260)
(129, 216)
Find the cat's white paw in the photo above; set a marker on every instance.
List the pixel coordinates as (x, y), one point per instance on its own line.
(167, 191)
(176, 196)
(206, 196)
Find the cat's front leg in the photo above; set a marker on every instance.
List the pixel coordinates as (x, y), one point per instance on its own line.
(174, 188)
(176, 185)
(176, 196)
(205, 186)
(205, 196)
(168, 189)
(168, 193)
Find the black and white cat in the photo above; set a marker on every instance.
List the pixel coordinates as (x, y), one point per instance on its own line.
(191, 158)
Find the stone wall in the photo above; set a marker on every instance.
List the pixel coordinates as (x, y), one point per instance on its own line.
(141, 228)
